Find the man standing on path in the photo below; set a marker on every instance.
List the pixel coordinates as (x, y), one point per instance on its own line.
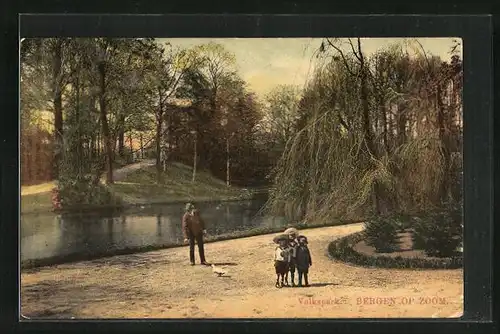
(193, 228)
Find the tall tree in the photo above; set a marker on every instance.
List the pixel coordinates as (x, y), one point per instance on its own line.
(216, 66)
(281, 113)
(104, 53)
(370, 135)
(362, 71)
(167, 67)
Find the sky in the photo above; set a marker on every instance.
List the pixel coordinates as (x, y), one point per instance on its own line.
(267, 62)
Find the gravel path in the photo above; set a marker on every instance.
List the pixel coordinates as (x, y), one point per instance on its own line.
(120, 173)
(162, 284)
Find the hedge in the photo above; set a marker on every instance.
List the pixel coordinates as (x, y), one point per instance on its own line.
(343, 250)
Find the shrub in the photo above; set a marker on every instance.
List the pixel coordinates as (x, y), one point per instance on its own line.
(403, 221)
(81, 192)
(381, 233)
(417, 233)
(439, 233)
(56, 199)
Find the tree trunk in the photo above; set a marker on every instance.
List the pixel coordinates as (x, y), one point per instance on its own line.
(159, 123)
(108, 145)
(94, 136)
(121, 136)
(142, 146)
(158, 147)
(98, 140)
(91, 148)
(36, 155)
(383, 112)
(401, 121)
(166, 140)
(367, 133)
(114, 142)
(58, 116)
(445, 149)
(79, 141)
(29, 155)
(131, 146)
(195, 157)
(227, 162)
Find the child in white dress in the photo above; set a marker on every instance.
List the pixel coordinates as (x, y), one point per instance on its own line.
(281, 260)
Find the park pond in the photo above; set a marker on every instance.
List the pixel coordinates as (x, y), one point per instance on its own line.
(48, 236)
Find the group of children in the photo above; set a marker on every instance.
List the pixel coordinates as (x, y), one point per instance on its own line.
(292, 254)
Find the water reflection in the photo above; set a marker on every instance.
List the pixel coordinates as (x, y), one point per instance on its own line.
(42, 235)
(47, 235)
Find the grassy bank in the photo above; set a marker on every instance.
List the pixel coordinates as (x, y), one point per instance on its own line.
(37, 202)
(142, 187)
(77, 257)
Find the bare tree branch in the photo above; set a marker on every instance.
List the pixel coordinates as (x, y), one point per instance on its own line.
(360, 55)
(346, 63)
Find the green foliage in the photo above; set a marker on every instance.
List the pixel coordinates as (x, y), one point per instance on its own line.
(324, 168)
(282, 105)
(440, 232)
(403, 221)
(381, 233)
(83, 191)
(342, 250)
(417, 238)
(143, 81)
(355, 152)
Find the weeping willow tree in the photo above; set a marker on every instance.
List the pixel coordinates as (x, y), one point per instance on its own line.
(373, 137)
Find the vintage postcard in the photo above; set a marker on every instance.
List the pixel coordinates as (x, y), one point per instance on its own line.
(241, 178)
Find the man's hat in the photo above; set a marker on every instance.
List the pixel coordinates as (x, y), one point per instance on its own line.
(189, 206)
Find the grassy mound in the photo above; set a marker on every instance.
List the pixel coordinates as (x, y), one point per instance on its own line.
(142, 186)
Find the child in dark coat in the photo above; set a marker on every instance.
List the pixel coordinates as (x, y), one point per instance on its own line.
(303, 260)
(292, 247)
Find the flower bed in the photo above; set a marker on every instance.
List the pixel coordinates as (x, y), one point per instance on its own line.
(347, 249)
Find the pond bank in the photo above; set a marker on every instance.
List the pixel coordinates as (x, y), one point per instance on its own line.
(109, 209)
(162, 284)
(75, 257)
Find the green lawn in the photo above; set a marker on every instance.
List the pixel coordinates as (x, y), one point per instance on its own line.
(36, 202)
(142, 187)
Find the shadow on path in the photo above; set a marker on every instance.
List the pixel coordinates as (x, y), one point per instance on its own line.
(224, 263)
(315, 285)
(68, 297)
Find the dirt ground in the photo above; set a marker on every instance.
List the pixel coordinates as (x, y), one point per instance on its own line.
(162, 284)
